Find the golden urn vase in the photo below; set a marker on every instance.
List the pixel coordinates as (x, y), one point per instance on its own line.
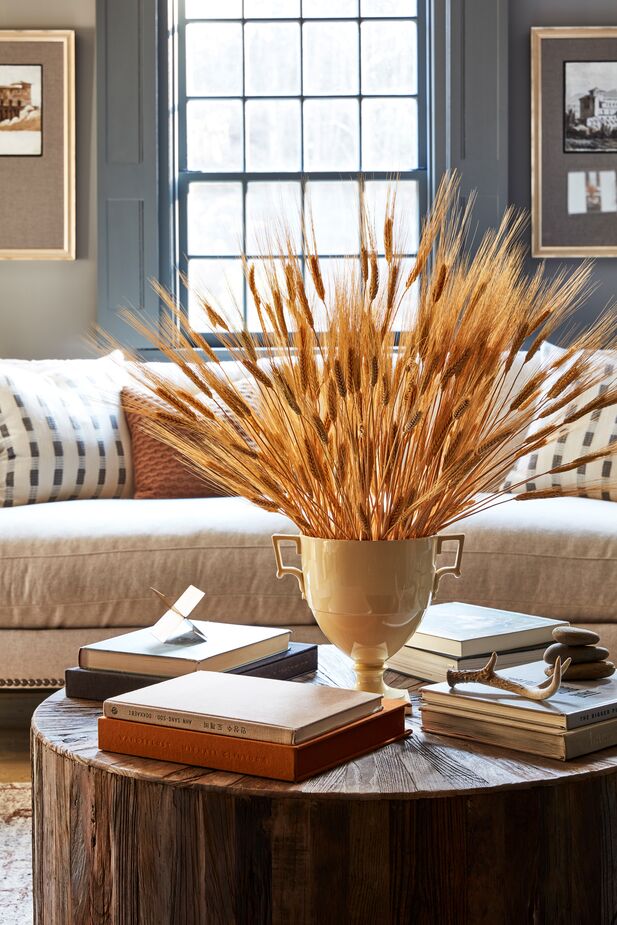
(368, 596)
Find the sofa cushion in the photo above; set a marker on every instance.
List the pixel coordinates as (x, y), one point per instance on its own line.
(158, 470)
(62, 431)
(555, 557)
(92, 566)
(590, 433)
(518, 375)
(91, 563)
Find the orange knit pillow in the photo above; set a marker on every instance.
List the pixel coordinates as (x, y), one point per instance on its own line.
(159, 471)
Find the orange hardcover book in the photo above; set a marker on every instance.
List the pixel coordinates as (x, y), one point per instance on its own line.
(249, 756)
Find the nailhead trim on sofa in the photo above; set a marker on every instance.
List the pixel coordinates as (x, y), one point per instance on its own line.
(44, 683)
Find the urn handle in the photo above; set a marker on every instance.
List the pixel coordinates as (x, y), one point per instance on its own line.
(281, 568)
(455, 569)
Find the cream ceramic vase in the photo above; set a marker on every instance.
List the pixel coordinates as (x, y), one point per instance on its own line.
(367, 596)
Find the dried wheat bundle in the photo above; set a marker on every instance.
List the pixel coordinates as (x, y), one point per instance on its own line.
(361, 433)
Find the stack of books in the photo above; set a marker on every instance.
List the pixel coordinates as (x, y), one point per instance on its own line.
(580, 718)
(249, 725)
(135, 660)
(459, 636)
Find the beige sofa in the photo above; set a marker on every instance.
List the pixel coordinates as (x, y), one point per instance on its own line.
(72, 572)
(77, 571)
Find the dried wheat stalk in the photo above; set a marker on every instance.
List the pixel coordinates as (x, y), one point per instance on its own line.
(355, 436)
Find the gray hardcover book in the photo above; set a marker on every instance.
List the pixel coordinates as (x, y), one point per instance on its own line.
(576, 703)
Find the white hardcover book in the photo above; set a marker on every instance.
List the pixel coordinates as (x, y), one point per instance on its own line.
(430, 666)
(227, 645)
(464, 630)
(576, 703)
(242, 706)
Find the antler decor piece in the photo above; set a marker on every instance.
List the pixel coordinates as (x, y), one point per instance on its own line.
(487, 675)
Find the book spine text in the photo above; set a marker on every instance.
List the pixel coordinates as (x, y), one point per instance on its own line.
(197, 722)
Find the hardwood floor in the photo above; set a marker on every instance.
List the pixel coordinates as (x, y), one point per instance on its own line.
(14, 755)
(16, 710)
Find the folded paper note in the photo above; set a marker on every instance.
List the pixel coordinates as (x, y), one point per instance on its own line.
(174, 627)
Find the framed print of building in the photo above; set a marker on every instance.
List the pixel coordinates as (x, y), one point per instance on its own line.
(37, 144)
(590, 106)
(574, 141)
(20, 109)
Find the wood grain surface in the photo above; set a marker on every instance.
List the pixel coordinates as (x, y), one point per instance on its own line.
(428, 830)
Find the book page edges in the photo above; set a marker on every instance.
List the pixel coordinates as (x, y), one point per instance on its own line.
(174, 718)
(468, 648)
(553, 747)
(475, 705)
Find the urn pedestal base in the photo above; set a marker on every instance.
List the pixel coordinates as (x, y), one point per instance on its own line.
(368, 596)
(369, 677)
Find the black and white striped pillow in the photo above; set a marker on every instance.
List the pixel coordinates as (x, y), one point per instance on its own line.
(595, 479)
(63, 435)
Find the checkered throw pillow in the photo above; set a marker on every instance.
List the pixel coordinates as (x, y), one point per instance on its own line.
(596, 479)
(63, 435)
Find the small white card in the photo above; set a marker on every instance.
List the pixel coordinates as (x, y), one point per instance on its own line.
(174, 624)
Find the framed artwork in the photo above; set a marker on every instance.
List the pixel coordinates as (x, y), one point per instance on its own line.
(574, 141)
(37, 144)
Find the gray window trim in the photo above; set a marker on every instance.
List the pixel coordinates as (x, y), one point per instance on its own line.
(127, 128)
(466, 91)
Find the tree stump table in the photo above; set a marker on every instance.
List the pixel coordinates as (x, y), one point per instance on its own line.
(428, 830)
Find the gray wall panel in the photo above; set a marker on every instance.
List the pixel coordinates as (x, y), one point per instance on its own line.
(470, 80)
(123, 116)
(125, 236)
(128, 161)
(483, 139)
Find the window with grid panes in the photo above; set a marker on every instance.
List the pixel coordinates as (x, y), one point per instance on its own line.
(280, 106)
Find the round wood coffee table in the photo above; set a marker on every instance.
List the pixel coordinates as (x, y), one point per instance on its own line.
(428, 830)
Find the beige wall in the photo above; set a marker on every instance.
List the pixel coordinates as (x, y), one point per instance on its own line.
(46, 306)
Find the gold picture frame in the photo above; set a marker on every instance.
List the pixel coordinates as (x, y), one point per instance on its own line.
(37, 144)
(556, 229)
